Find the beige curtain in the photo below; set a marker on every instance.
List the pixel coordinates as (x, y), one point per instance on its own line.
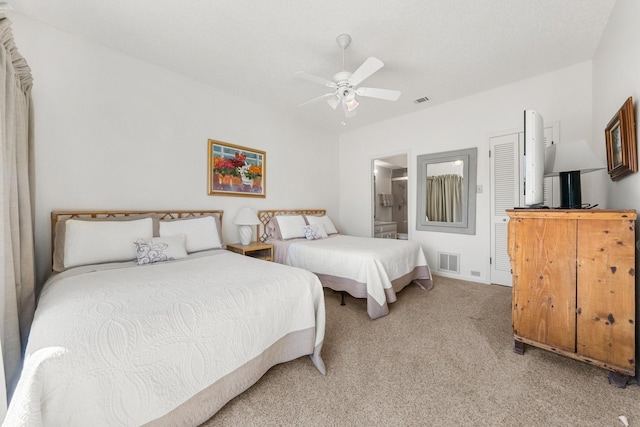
(17, 270)
(444, 198)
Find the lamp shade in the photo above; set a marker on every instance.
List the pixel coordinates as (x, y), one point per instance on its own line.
(571, 156)
(568, 161)
(246, 216)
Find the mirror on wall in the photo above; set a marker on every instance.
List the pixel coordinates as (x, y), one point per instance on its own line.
(447, 191)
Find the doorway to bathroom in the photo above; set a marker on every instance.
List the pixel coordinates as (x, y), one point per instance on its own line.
(390, 197)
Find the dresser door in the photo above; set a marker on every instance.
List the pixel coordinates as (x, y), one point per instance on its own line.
(606, 292)
(544, 280)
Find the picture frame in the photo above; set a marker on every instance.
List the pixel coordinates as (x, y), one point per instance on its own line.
(234, 170)
(620, 135)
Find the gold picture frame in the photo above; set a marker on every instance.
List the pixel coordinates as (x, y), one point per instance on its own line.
(236, 171)
(620, 134)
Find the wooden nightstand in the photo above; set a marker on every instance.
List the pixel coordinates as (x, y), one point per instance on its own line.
(254, 249)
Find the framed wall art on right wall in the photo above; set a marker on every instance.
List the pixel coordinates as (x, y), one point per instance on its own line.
(620, 134)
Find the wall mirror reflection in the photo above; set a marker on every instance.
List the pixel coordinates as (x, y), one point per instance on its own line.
(447, 191)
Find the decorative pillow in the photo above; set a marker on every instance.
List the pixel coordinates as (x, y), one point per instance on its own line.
(272, 230)
(314, 232)
(324, 220)
(290, 226)
(96, 242)
(200, 233)
(159, 249)
(61, 233)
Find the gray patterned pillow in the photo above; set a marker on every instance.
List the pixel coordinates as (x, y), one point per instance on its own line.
(314, 232)
(159, 249)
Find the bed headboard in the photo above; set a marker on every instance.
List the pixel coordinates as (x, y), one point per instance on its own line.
(62, 215)
(265, 217)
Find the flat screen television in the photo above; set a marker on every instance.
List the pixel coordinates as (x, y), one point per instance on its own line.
(533, 176)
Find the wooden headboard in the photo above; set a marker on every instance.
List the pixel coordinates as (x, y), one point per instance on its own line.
(164, 215)
(265, 217)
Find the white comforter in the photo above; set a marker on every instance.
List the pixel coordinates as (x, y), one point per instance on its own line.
(375, 262)
(124, 346)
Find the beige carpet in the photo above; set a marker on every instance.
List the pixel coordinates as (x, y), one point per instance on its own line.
(440, 358)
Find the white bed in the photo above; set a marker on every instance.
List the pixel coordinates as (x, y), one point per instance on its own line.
(375, 269)
(162, 344)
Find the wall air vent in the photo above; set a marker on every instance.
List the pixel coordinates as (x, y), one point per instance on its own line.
(421, 100)
(449, 262)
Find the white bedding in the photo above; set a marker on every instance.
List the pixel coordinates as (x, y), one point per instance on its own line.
(376, 262)
(126, 344)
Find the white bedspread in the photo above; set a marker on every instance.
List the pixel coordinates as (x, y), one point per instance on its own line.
(125, 346)
(375, 262)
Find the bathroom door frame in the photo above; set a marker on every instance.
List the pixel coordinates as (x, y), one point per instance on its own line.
(373, 196)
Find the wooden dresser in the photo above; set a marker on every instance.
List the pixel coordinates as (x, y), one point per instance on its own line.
(574, 285)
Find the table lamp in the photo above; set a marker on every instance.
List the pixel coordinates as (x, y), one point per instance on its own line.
(567, 161)
(246, 219)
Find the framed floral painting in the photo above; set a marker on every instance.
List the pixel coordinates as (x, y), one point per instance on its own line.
(620, 135)
(235, 170)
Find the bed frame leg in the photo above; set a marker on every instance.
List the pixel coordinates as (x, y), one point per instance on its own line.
(342, 299)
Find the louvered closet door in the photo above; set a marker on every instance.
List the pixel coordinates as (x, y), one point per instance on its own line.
(505, 194)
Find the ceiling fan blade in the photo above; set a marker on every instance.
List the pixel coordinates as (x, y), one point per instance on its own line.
(371, 92)
(368, 67)
(315, 79)
(326, 96)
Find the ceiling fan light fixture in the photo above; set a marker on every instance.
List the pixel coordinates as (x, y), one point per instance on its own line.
(347, 94)
(352, 105)
(333, 102)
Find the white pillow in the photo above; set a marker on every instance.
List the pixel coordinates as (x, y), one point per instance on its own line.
(314, 232)
(95, 242)
(159, 249)
(290, 226)
(324, 220)
(200, 233)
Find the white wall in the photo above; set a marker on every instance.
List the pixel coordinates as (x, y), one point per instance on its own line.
(616, 76)
(113, 132)
(116, 133)
(562, 96)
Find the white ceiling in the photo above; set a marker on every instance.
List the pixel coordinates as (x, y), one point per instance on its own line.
(442, 49)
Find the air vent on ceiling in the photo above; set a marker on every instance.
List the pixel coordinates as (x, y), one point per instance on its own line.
(421, 100)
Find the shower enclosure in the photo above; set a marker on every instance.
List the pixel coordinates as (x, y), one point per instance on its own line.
(399, 192)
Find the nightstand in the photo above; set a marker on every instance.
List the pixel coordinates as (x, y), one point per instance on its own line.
(254, 249)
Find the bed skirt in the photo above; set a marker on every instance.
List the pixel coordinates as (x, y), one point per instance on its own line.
(421, 276)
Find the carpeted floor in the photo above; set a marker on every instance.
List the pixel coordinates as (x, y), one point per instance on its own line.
(440, 358)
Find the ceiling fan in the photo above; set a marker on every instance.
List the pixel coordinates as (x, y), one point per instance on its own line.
(345, 82)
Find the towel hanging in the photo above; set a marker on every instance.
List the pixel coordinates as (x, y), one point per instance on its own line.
(386, 199)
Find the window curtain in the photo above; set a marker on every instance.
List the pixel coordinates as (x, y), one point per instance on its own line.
(17, 269)
(444, 198)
